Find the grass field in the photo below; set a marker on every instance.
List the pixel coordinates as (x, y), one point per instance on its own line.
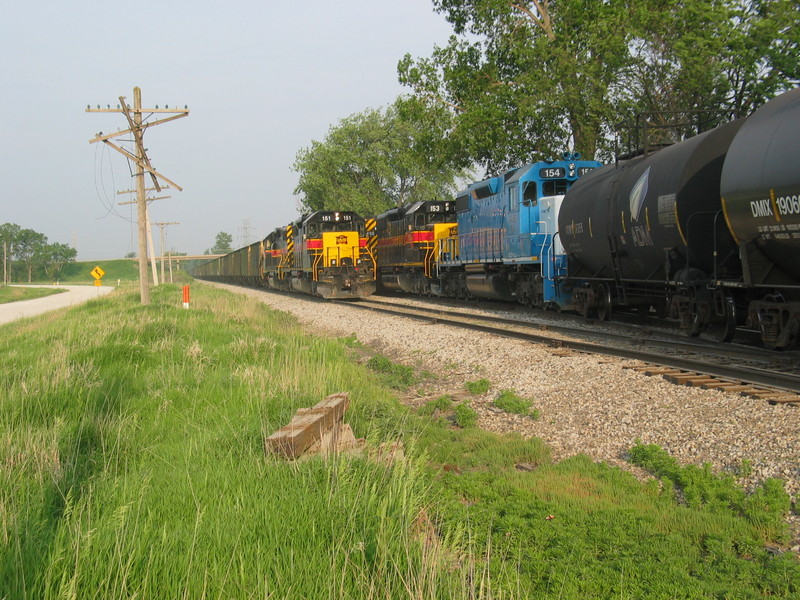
(115, 270)
(15, 294)
(132, 465)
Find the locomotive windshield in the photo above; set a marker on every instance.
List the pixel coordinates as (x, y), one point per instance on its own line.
(440, 217)
(345, 226)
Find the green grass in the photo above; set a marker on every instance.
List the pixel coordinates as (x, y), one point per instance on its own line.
(510, 402)
(477, 388)
(15, 294)
(132, 462)
(122, 270)
(132, 465)
(465, 415)
(392, 374)
(442, 403)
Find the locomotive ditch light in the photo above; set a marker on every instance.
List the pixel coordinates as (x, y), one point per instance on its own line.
(333, 262)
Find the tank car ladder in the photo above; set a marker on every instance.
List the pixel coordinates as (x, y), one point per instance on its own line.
(617, 268)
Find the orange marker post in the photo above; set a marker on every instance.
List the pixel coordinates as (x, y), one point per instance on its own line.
(186, 296)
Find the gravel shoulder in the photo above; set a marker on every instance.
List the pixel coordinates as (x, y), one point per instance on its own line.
(588, 404)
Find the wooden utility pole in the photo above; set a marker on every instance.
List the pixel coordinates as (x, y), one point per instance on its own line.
(162, 225)
(137, 127)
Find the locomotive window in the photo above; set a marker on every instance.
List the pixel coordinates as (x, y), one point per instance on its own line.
(313, 230)
(419, 220)
(529, 194)
(554, 187)
(511, 196)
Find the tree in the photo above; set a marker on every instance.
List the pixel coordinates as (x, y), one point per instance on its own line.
(222, 245)
(707, 61)
(377, 159)
(30, 244)
(9, 233)
(53, 257)
(526, 79)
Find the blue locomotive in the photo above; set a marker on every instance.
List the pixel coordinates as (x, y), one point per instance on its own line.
(501, 242)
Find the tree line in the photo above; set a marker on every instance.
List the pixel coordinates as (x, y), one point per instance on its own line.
(26, 252)
(526, 80)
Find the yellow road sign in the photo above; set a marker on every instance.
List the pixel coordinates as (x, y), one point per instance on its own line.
(97, 272)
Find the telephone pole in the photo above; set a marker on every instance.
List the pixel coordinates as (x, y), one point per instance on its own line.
(149, 229)
(137, 127)
(162, 225)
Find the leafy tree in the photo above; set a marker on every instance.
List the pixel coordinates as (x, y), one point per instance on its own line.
(709, 60)
(222, 245)
(525, 79)
(9, 232)
(378, 159)
(130, 255)
(53, 257)
(29, 245)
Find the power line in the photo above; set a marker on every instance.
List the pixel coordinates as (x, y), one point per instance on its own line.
(136, 126)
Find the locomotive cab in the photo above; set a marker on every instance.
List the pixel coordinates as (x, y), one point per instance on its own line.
(330, 255)
(410, 245)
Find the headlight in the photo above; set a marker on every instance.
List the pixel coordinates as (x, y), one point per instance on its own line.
(333, 262)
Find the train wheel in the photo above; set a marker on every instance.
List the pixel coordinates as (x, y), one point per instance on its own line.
(724, 327)
(603, 302)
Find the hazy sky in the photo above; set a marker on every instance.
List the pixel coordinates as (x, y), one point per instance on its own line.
(262, 80)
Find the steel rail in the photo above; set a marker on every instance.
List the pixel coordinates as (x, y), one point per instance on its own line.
(761, 377)
(663, 339)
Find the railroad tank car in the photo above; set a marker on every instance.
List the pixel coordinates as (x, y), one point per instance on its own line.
(760, 189)
(506, 245)
(407, 242)
(706, 230)
(649, 229)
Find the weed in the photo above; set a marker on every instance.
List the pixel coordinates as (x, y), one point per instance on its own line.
(351, 341)
(395, 376)
(465, 415)
(441, 403)
(478, 388)
(510, 402)
(718, 493)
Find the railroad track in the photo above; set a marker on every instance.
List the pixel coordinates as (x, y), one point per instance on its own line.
(757, 372)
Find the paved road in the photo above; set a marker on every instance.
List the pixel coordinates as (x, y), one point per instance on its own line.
(75, 294)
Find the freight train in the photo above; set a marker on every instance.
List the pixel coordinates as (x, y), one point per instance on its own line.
(705, 231)
(324, 253)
